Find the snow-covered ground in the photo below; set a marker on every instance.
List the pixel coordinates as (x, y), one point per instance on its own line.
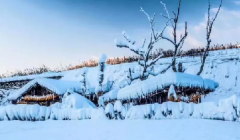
(185, 129)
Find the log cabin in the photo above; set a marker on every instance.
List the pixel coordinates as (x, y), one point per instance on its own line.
(44, 91)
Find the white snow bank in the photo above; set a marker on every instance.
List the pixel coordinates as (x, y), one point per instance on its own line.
(225, 110)
(37, 113)
(57, 86)
(161, 81)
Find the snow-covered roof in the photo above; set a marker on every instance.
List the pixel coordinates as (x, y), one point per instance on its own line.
(57, 86)
(31, 77)
(163, 80)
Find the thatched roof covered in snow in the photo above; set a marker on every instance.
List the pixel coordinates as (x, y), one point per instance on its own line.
(161, 82)
(56, 86)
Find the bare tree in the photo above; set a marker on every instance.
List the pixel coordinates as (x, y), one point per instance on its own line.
(174, 23)
(209, 30)
(144, 51)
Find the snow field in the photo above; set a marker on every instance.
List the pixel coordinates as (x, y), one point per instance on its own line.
(180, 129)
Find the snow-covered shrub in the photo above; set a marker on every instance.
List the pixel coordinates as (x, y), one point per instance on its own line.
(109, 111)
(158, 112)
(98, 114)
(135, 112)
(118, 109)
(2, 113)
(164, 108)
(124, 112)
(173, 110)
(140, 112)
(147, 111)
(238, 109)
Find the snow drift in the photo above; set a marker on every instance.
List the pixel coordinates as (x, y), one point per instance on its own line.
(227, 109)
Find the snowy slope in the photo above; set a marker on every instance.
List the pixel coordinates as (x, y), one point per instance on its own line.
(221, 66)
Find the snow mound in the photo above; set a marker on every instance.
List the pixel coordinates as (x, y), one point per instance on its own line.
(76, 101)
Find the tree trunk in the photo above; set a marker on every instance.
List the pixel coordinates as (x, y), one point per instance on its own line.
(174, 64)
(203, 62)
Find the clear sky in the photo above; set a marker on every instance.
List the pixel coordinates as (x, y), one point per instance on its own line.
(54, 32)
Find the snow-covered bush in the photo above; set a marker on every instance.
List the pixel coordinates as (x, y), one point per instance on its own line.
(238, 109)
(135, 112)
(109, 111)
(118, 109)
(98, 114)
(158, 112)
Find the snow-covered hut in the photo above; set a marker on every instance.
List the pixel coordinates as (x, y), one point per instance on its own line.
(44, 91)
(182, 86)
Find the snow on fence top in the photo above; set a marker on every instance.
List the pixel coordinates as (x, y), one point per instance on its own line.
(31, 77)
(57, 86)
(164, 80)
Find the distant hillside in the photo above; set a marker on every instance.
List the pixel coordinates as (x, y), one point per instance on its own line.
(115, 61)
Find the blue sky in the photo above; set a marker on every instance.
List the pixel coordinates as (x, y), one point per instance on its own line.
(54, 32)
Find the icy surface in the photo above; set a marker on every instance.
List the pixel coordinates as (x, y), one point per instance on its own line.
(121, 130)
(57, 86)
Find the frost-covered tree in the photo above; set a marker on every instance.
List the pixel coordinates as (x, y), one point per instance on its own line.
(144, 51)
(101, 68)
(176, 43)
(84, 81)
(208, 34)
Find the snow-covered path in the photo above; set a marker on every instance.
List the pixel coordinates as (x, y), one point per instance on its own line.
(185, 129)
